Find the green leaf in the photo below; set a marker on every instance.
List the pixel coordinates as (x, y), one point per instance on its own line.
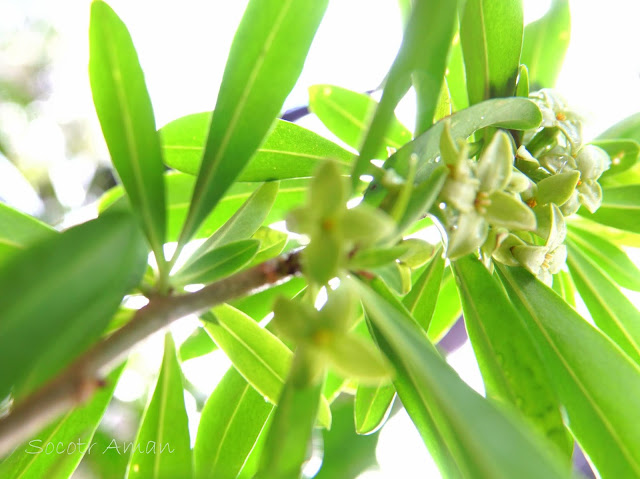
(620, 208)
(564, 286)
(422, 299)
(510, 364)
(286, 446)
(629, 129)
(258, 305)
(231, 422)
(467, 435)
(291, 194)
(244, 222)
(342, 437)
(507, 113)
(272, 243)
(346, 114)
(66, 287)
(17, 231)
(262, 359)
(610, 309)
(448, 309)
(423, 53)
(623, 154)
(218, 263)
(599, 390)
(491, 37)
(72, 434)
(128, 124)
(423, 197)
(455, 75)
(265, 60)
(197, 344)
(162, 447)
(289, 151)
(545, 44)
(609, 258)
(372, 407)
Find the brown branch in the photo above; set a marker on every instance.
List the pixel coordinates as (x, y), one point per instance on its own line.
(78, 381)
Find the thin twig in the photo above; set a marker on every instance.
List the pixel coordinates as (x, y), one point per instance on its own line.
(79, 381)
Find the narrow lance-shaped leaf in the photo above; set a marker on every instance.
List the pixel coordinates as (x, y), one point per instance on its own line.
(257, 354)
(128, 124)
(477, 439)
(17, 231)
(244, 222)
(620, 208)
(447, 311)
(286, 447)
(231, 422)
(292, 193)
(289, 150)
(162, 448)
(422, 299)
(347, 113)
(197, 344)
(72, 436)
(491, 37)
(545, 44)
(265, 60)
(218, 263)
(610, 258)
(66, 287)
(600, 390)
(511, 367)
(629, 128)
(508, 113)
(610, 309)
(623, 153)
(423, 52)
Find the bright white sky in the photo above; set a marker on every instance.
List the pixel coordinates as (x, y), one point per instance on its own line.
(183, 48)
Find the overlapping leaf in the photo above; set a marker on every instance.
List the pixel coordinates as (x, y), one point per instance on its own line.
(17, 231)
(620, 208)
(162, 447)
(128, 124)
(68, 287)
(289, 151)
(265, 60)
(598, 385)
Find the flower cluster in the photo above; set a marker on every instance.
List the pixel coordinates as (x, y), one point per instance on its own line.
(511, 203)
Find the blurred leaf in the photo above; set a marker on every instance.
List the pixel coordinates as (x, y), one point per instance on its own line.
(423, 197)
(265, 60)
(292, 193)
(162, 448)
(511, 367)
(422, 299)
(423, 54)
(346, 114)
(545, 44)
(598, 385)
(623, 154)
(522, 85)
(231, 422)
(610, 309)
(286, 446)
(128, 124)
(563, 285)
(17, 231)
(455, 75)
(289, 151)
(218, 263)
(272, 243)
(66, 287)
(609, 258)
(508, 113)
(467, 435)
(72, 434)
(256, 353)
(346, 454)
(629, 129)
(620, 208)
(197, 344)
(372, 407)
(491, 38)
(258, 305)
(448, 309)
